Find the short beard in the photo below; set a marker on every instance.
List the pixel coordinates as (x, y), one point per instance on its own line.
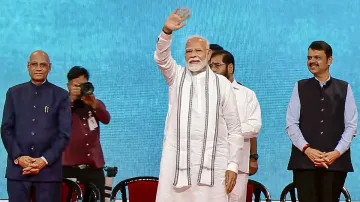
(195, 68)
(226, 72)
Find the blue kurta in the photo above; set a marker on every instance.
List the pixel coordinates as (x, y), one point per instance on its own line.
(36, 122)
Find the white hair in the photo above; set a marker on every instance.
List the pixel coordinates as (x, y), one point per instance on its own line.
(199, 37)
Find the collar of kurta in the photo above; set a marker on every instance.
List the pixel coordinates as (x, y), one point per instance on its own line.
(236, 84)
(37, 86)
(326, 83)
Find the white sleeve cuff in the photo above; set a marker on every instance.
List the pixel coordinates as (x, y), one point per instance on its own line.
(43, 158)
(233, 167)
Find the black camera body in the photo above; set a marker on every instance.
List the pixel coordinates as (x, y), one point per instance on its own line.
(87, 89)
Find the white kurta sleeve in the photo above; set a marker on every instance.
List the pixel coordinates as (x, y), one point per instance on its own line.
(252, 125)
(163, 58)
(235, 138)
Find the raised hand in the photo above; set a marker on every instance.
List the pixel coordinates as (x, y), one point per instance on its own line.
(176, 20)
(90, 100)
(74, 90)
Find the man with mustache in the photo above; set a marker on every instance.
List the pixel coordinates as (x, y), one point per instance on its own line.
(222, 62)
(321, 122)
(203, 140)
(35, 130)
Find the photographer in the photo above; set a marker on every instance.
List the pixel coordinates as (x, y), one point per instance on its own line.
(83, 158)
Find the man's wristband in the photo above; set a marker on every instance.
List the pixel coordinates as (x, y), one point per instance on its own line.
(305, 147)
(168, 33)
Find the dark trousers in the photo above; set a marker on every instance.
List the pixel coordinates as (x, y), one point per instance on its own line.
(22, 191)
(85, 176)
(319, 185)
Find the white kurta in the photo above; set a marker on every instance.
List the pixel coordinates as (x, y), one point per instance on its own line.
(250, 117)
(229, 141)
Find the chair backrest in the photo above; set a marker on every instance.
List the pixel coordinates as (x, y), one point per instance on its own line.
(258, 189)
(290, 188)
(71, 191)
(249, 193)
(95, 192)
(141, 189)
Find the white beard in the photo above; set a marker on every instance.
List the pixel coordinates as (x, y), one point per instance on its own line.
(197, 67)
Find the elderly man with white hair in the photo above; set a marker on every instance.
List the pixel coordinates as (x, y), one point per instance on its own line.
(203, 139)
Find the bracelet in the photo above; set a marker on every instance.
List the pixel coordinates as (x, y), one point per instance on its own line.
(305, 147)
(166, 32)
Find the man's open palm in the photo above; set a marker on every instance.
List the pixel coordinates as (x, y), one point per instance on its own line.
(176, 20)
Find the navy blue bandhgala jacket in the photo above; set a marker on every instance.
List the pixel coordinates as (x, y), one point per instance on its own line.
(37, 123)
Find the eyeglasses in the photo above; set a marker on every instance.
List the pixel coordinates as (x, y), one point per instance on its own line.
(42, 65)
(216, 65)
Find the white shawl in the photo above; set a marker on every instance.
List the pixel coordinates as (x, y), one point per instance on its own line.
(212, 103)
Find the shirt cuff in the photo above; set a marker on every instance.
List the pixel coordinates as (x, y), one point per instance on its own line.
(301, 144)
(340, 149)
(233, 167)
(43, 158)
(165, 36)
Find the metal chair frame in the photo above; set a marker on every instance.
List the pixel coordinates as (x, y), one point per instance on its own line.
(121, 186)
(290, 188)
(258, 189)
(73, 187)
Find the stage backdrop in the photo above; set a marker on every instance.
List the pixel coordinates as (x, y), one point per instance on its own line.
(115, 41)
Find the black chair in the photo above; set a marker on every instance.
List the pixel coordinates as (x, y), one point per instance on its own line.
(258, 189)
(95, 192)
(73, 187)
(290, 188)
(141, 189)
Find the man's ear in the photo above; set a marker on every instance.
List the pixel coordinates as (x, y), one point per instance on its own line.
(209, 53)
(329, 60)
(230, 68)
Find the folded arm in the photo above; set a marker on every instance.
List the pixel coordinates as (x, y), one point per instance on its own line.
(7, 129)
(351, 123)
(53, 153)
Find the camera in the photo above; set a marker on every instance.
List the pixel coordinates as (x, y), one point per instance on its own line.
(87, 89)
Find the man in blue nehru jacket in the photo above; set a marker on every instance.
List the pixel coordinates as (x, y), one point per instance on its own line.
(35, 130)
(321, 122)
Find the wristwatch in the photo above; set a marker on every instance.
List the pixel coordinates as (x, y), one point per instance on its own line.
(254, 156)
